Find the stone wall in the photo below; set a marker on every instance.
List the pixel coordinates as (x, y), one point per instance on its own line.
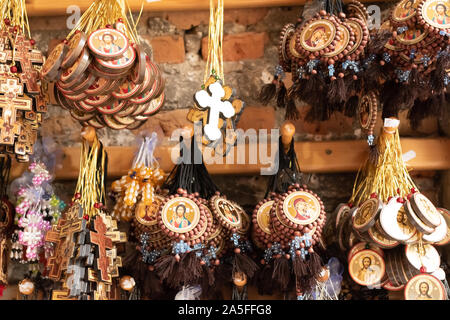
(176, 40)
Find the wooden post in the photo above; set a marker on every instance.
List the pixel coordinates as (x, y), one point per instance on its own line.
(287, 134)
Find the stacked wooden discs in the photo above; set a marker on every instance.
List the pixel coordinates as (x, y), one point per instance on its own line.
(189, 218)
(230, 218)
(395, 239)
(184, 215)
(327, 38)
(104, 80)
(418, 35)
(280, 218)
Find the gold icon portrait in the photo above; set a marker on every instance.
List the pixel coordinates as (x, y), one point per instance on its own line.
(367, 267)
(301, 207)
(436, 13)
(180, 215)
(228, 211)
(318, 35)
(424, 287)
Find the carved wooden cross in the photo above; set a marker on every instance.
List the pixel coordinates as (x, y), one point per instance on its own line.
(103, 242)
(10, 102)
(65, 246)
(25, 54)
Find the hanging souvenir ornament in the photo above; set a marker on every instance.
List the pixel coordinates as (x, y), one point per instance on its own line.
(85, 258)
(414, 60)
(102, 74)
(136, 191)
(287, 225)
(21, 98)
(324, 53)
(37, 209)
(215, 107)
(388, 227)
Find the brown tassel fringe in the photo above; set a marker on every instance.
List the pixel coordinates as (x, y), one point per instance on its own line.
(268, 92)
(299, 266)
(243, 263)
(291, 109)
(314, 264)
(281, 95)
(373, 155)
(281, 272)
(264, 281)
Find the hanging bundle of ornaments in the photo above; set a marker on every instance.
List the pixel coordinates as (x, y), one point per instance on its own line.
(415, 60)
(184, 236)
(21, 99)
(215, 107)
(85, 262)
(37, 210)
(287, 226)
(103, 76)
(326, 52)
(137, 190)
(389, 229)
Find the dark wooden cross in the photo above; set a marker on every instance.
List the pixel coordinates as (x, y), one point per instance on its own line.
(65, 245)
(10, 103)
(103, 242)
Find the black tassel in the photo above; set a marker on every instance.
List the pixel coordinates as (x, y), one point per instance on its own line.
(373, 155)
(281, 272)
(314, 264)
(281, 95)
(268, 91)
(299, 266)
(291, 109)
(264, 281)
(243, 263)
(337, 91)
(165, 266)
(351, 106)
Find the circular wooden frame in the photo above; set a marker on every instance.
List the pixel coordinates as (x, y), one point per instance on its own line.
(417, 260)
(100, 33)
(311, 27)
(371, 254)
(429, 279)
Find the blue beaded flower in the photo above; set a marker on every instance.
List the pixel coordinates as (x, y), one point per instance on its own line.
(330, 70)
(312, 64)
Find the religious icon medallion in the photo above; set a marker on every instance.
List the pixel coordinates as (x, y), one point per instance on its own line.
(425, 287)
(367, 267)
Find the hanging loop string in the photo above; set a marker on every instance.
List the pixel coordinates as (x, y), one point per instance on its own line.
(214, 63)
(103, 12)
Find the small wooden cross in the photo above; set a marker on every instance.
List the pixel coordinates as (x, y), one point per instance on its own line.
(10, 103)
(103, 242)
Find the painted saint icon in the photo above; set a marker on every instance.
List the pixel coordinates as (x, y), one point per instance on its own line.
(440, 14)
(179, 219)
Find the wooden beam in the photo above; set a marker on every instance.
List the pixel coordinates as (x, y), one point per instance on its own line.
(53, 8)
(327, 156)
